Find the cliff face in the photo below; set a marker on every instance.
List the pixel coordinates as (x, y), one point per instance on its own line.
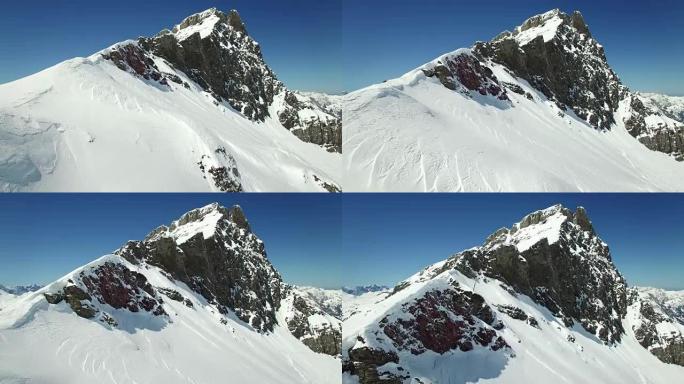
(547, 276)
(214, 252)
(555, 257)
(215, 51)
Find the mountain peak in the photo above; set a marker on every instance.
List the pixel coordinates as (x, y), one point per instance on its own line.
(543, 224)
(547, 26)
(203, 220)
(237, 216)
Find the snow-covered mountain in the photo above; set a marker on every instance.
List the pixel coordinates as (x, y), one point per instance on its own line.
(194, 302)
(538, 302)
(536, 109)
(658, 322)
(195, 108)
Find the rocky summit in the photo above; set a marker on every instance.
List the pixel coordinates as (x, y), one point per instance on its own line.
(216, 52)
(555, 257)
(659, 322)
(213, 252)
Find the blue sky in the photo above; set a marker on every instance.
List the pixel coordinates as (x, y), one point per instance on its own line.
(387, 238)
(44, 236)
(383, 39)
(300, 39)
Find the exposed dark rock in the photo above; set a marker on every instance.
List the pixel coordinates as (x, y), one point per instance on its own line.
(229, 269)
(571, 68)
(664, 139)
(171, 294)
(574, 277)
(364, 362)
(54, 298)
(132, 58)
(78, 301)
(667, 348)
(330, 187)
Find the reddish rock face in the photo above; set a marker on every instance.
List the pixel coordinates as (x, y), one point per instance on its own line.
(444, 320)
(118, 286)
(133, 57)
(469, 72)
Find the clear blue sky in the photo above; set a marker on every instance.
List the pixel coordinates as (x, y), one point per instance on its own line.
(388, 237)
(383, 39)
(44, 236)
(300, 39)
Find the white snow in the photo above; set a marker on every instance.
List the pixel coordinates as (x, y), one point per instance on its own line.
(42, 343)
(414, 134)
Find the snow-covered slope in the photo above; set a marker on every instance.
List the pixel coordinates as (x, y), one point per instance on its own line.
(539, 302)
(195, 302)
(193, 109)
(537, 109)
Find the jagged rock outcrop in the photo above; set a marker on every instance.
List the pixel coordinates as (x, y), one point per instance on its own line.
(660, 323)
(132, 58)
(556, 53)
(214, 252)
(464, 70)
(671, 106)
(440, 321)
(437, 321)
(109, 283)
(312, 122)
(663, 137)
(215, 51)
(555, 257)
(361, 289)
(314, 317)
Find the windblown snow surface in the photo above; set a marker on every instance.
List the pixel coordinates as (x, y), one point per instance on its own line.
(414, 134)
(86, 125)
(50, 344)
